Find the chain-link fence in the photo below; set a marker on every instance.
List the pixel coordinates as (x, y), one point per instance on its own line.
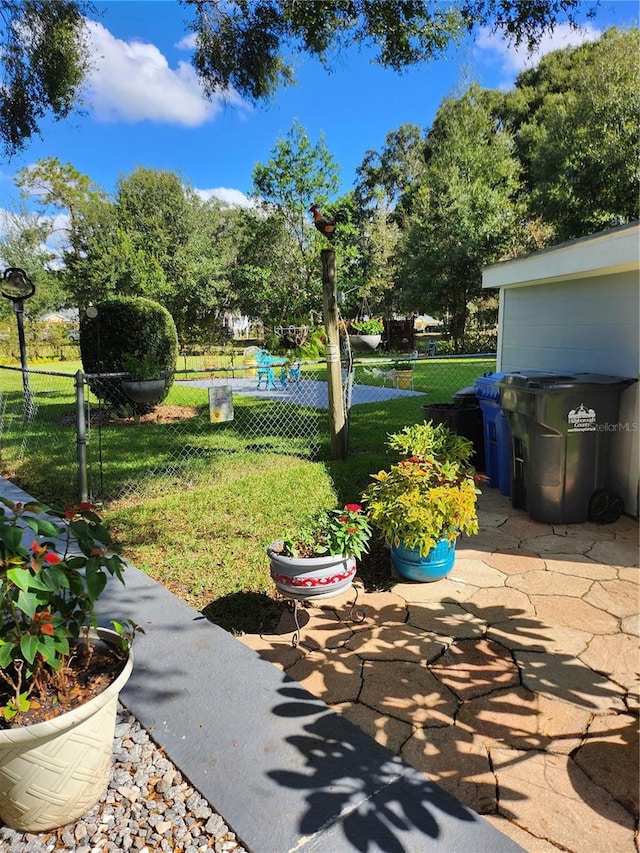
(211, 414)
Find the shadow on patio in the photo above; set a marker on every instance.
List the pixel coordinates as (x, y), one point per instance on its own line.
(513, 683)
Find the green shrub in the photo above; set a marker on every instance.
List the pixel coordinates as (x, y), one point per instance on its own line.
(126, 326)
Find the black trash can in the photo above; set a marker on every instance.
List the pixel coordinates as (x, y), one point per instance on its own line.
(462, 416)
(561, 440)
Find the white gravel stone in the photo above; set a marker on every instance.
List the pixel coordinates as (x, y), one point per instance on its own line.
(124, 820)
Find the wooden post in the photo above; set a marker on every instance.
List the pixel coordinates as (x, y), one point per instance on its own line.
(337, 420)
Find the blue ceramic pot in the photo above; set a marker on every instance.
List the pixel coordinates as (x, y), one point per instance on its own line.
(436, 565)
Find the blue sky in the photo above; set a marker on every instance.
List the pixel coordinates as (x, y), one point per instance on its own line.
(144, 105)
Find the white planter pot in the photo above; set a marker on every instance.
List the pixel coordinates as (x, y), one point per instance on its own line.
(364, 343)
(312, 577)
(52, 773)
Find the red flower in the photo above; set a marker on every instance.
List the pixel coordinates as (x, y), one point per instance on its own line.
(52, 559)
(43, 621)
(353, 508)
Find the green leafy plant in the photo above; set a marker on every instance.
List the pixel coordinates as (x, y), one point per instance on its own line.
(48, 591)
(367, 327)
(430, 494)
(141, 367)
(336, 531)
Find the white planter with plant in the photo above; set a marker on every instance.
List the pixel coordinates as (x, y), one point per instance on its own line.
(146, 380)
(426, 499)
(319, 560)
(60, 675)
(367, 335)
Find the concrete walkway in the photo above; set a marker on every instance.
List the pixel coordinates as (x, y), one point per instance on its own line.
(513, 683)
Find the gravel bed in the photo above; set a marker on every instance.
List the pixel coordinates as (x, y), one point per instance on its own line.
(148, 806)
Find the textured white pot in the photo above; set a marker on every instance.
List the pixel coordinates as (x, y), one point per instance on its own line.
(51, 773)
(312, 577)
(364, 343)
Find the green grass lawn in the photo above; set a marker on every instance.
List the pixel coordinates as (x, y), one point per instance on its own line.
(205, 536)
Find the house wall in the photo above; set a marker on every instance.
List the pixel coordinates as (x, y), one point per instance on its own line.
(576, 308)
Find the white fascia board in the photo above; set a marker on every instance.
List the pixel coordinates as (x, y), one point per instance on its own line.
(601, 254)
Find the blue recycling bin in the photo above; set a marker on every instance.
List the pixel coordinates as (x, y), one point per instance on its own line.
(497, 435)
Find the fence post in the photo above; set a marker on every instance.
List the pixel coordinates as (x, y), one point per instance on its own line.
(337, 421)
(81, 439)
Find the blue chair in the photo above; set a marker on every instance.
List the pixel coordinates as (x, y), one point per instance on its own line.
(294, 373)
(265, 370)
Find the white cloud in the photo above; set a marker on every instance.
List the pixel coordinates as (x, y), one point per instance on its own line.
(187, 42)
(132, 81)
(515, 59)
(234, 198)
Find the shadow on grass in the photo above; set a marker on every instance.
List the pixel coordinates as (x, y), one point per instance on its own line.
(245, 612)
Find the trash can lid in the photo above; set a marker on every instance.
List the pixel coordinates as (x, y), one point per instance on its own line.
(551, 381)
(465, 396)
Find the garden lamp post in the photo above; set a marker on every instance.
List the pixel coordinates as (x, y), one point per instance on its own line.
(17, 287)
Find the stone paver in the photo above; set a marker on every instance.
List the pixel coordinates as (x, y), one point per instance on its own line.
(572, 543)
(515, 562)
(387, 731)
(579, 566)
(603, 756)
(514, 683)
(551, 797)
(476, 667)
(395, 642)
(614, 655)
(620, 598)
(407, 691)
(573, 613)
(445, 619)
(539, 636)
(566, 678)
(496, 605)
(523, 719)
(548, 583)
(458, 761)
(616, 553)
(477, 573)
(335, 676)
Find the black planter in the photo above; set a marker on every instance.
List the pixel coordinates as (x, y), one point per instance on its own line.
(148, 391)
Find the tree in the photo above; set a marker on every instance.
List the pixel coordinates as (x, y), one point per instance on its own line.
(383, 183)
(57, 186)
(296, 175)
(577, 118)
(464, 213)
(244, 43)
(383, 178)
(44, 55)
(44, 58)
(23, 244)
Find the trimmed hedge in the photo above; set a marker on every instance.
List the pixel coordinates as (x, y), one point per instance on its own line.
(124, 326)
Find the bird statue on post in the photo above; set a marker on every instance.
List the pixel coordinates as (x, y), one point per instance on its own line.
(325, 225)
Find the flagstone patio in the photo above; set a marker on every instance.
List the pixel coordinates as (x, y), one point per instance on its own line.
(514, 683)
